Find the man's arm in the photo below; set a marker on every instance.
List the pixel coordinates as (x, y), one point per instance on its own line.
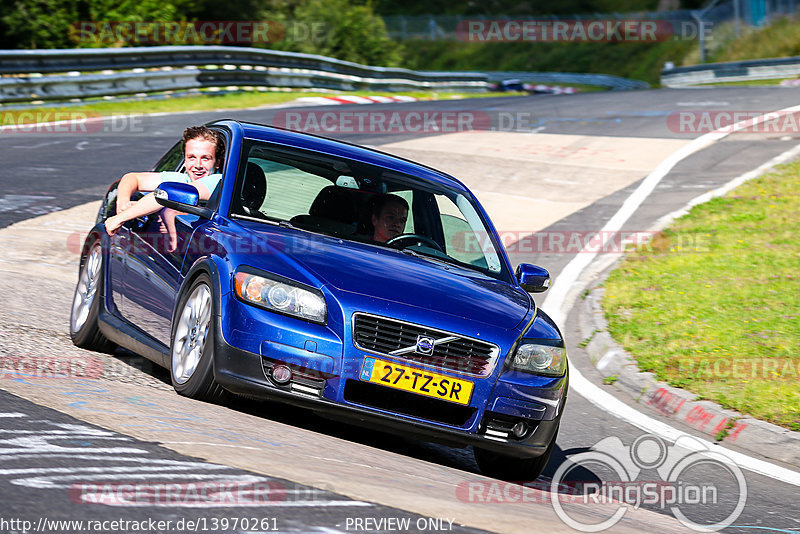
(147, 205)
(132, 182)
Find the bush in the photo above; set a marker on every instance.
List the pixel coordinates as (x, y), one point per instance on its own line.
(336, 28)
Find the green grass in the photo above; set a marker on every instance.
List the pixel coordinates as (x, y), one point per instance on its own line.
(207, 101)
(780, 39)
(749, 83)
(639, 61)
(713, 304)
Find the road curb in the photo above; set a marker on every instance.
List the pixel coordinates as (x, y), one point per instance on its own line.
(353, 99)
(612, 361)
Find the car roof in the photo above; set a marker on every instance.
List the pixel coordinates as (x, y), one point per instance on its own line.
(343, 149)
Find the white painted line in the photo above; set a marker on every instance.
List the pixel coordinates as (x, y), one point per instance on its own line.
(790, 154)
(13, 414)
(209, 444)
(605, 401)
(557, 295)
(556, 299)
(568, 280)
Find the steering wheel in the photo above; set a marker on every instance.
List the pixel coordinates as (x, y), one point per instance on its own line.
(419, 239)
(139, 223)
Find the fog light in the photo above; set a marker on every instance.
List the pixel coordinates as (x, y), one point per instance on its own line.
(281, 374)
(519, 430)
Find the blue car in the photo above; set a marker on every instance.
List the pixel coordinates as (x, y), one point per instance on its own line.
(278, 288)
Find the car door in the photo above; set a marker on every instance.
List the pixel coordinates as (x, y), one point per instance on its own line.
(151, 275)
(118, 245)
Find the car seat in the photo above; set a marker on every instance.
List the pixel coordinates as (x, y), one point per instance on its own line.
(254, 190)
(334, 210)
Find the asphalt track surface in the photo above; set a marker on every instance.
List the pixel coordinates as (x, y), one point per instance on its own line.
(50, 171)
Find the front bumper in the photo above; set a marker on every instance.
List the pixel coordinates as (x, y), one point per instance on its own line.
(332, 388)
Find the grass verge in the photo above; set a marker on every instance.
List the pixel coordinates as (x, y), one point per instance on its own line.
(639, 61)
(713, 303)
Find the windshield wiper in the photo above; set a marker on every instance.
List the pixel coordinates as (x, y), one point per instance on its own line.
(439, 258)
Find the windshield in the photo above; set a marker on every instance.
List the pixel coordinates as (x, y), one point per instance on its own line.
(361, 202)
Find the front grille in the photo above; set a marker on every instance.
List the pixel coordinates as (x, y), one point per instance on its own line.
(399, 339)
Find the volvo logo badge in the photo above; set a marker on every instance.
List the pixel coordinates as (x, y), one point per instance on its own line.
(425, 345)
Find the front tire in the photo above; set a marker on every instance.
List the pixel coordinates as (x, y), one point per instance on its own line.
(513, 469)
(83, 328)
(192, 344)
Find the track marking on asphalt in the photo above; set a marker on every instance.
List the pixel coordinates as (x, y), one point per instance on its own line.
(567, 284)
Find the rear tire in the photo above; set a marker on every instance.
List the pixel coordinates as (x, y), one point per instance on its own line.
(83, 328)
(513, 469)
(192, 344)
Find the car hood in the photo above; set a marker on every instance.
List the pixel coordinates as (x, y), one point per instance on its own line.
(394, 276)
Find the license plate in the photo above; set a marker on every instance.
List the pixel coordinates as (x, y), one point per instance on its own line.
(406, 378)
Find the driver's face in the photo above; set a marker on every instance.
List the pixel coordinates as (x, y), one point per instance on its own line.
(391, 223)
(199, 158)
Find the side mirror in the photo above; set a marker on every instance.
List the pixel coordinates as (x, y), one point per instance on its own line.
(532, 278)
(181, 197)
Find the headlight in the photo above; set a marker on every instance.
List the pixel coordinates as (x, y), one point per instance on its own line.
(282, 296)
(539, 359)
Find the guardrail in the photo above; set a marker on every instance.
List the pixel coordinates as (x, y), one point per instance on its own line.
(736, 71)
(31, 74)
(600, 80)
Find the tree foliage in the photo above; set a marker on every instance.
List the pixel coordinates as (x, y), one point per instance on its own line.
(53, 23)
(344, 29)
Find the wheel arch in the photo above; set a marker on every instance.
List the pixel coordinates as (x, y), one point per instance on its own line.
(205, 265)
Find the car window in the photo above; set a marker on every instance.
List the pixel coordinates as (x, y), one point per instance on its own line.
(462, 241)
(171, 160)
(290, 191)
(331, 195)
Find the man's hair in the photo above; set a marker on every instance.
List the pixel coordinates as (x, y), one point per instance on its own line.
(203, 132)
(381, 201)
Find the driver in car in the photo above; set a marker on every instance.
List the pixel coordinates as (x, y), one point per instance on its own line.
(203, 150)
(389, 216)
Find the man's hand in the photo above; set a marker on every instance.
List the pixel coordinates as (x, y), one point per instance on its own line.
(113, 224)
